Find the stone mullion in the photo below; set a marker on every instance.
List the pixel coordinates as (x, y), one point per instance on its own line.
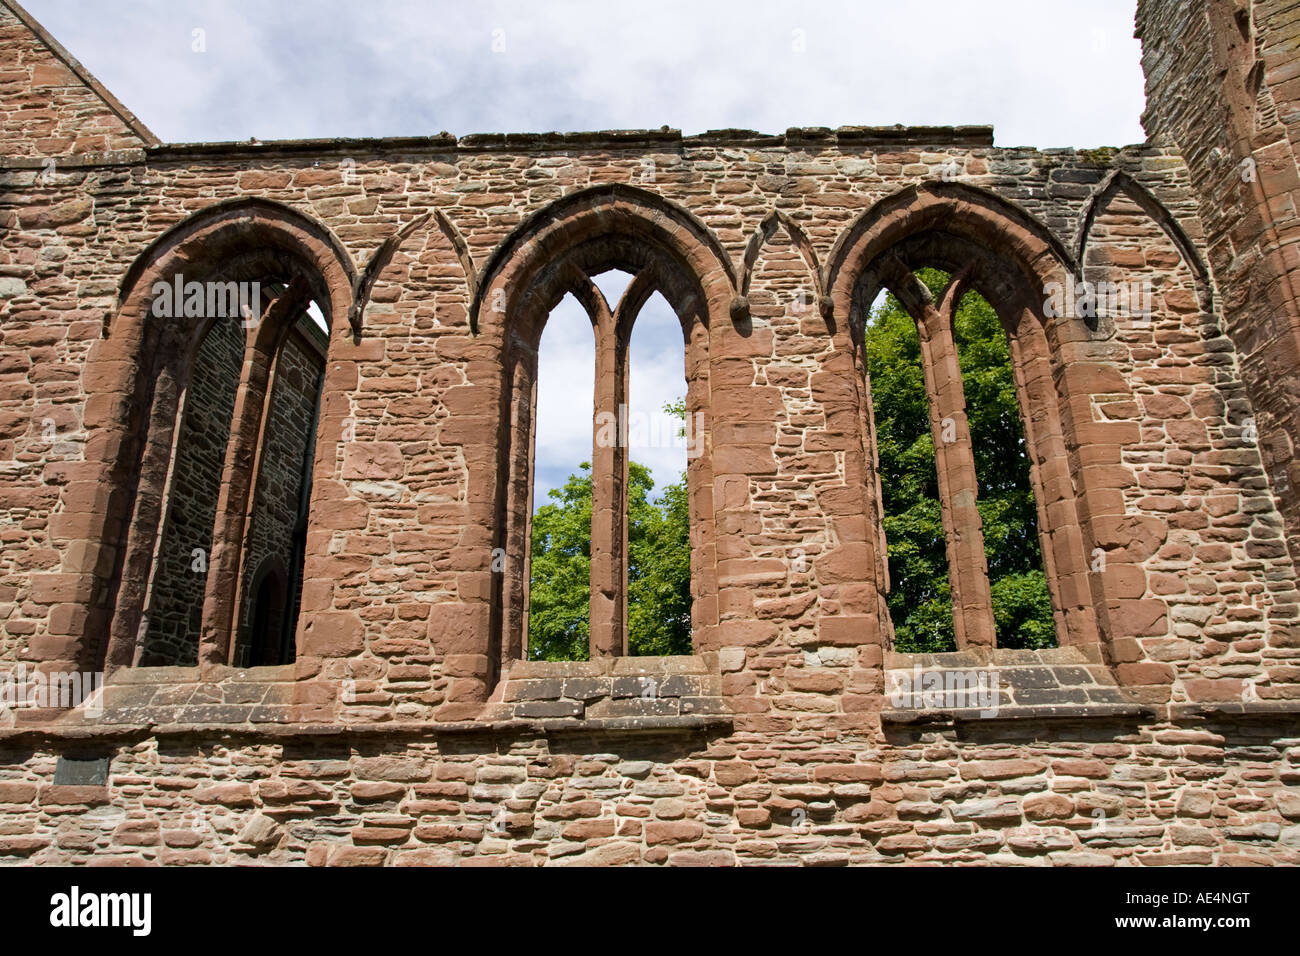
(225, 561)
(144, 531)
(699, 480)
(519, 497)
(227, 534)
(972, 603)
(620, 475)
(1061, 541)
(249, 503)
(608, 607)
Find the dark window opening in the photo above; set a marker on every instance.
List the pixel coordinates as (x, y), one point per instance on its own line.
(266, 644)
(174, 611)
(282, 432)
(278, 530)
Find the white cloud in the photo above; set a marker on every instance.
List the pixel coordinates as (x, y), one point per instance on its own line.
(566, 380)
(1047, 74)
(656, 376)
(565, 391)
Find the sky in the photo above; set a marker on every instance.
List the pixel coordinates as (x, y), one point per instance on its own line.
(1043, 73)
(566, 384)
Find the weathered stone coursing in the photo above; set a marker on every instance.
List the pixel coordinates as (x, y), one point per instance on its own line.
(1096, 793)
(1221, 85)
(409, 731)
(401, 488)
(52, 106)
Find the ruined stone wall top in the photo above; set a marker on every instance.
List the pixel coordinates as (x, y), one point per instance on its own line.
(52, 106)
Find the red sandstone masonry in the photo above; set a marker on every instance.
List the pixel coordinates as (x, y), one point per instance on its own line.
(52, 106)
(1220, 85)
(408, 731)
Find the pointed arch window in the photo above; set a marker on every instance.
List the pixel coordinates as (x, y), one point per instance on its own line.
(211, 568)
(960, 513)
(625, 538)
(992, 269)
(239, 481)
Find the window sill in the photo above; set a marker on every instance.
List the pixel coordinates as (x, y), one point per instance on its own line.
(127, 733)
(1232, 708)
(196, 695)
(616, 688)
(215, 674)
(980, 685)
(966, 715)
(618, 695)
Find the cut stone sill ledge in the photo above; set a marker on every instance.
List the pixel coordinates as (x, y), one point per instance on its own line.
(962, 715)
(1003, 684)
(1161, 712)
(684, 724)
(1233, 708)
(688, 724)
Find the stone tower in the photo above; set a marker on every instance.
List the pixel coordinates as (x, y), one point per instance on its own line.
(1222, 85)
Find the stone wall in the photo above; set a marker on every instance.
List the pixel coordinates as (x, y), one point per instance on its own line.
(176, 596)
(1189, 421)
(408, 729)
(1221, 86)
(276, 499)
(415, 385)
(52, 106)
(1099, 793)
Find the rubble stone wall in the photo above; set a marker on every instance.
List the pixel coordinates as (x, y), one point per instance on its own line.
(408, 730)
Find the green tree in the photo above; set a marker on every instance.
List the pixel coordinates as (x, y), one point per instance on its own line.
(659, 567)
(560, 578)
(920, 601)
(658, 573)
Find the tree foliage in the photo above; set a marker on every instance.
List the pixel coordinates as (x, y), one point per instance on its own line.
(920, 600)
(659, 567)
(659, 600)
(560, 572)
(658, 574)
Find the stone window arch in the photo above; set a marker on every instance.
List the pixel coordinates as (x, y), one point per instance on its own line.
(992, 247)
(555, 253)
(146, 377)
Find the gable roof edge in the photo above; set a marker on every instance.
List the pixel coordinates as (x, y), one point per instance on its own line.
(112, 102)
